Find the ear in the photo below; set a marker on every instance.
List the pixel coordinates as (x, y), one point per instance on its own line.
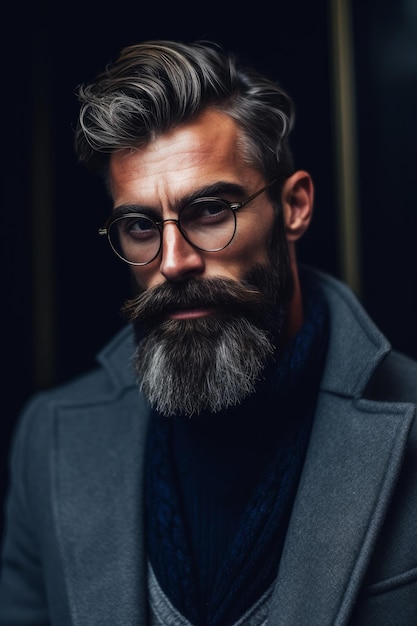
(297, 201)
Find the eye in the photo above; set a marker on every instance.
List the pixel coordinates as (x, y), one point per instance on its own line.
(138, 227)
(205, 213)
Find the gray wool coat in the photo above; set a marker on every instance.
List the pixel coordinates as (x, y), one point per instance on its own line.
(74, 549)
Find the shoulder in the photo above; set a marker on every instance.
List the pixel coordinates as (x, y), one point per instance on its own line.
(112, 375)
(394, 380)
(100, 387)
(360, 359)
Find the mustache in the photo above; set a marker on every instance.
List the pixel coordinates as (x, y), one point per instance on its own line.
(159, 300)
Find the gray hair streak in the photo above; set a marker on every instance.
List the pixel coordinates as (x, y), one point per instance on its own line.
(155, 86)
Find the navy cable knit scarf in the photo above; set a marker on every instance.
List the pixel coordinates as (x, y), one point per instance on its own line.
(213, 583)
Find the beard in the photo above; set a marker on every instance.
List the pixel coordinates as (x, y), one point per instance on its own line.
(210, 363)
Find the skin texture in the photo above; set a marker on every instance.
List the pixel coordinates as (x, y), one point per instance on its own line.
(188, 159)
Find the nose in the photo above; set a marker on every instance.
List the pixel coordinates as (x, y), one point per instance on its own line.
(180, 260)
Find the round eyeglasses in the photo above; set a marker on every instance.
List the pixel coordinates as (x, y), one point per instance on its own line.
(208, 224)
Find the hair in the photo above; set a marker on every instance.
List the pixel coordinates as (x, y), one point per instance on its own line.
(155, 86)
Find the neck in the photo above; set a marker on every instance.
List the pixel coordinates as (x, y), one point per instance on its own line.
(295, 317)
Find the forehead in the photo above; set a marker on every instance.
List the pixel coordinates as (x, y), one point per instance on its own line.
(194, 154)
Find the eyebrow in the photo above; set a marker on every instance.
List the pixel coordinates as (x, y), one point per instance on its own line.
(217, 190)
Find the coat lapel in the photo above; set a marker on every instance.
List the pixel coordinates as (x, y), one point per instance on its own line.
(99, 512)
(352, 465)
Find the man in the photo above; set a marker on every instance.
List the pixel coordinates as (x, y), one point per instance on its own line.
(265, 471)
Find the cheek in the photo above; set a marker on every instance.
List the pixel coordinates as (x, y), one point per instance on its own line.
(249, 251)
(145, 277)
(248, 248)
(253, 238)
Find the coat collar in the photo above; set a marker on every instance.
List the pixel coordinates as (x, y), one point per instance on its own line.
(356, 346)
(117, 359)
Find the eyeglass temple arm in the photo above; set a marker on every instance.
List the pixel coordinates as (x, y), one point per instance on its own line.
(257, 193)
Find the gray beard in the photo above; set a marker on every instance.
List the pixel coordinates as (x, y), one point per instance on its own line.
(214, 362)
(187, 366)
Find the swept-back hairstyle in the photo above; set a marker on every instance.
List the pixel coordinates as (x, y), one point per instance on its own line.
(155, 86)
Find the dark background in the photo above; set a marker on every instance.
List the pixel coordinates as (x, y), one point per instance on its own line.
(61, 287)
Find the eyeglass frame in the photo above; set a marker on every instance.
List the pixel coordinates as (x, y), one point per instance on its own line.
(234, 206)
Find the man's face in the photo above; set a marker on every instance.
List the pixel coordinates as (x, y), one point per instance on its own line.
(189, 159)
(218, 324)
